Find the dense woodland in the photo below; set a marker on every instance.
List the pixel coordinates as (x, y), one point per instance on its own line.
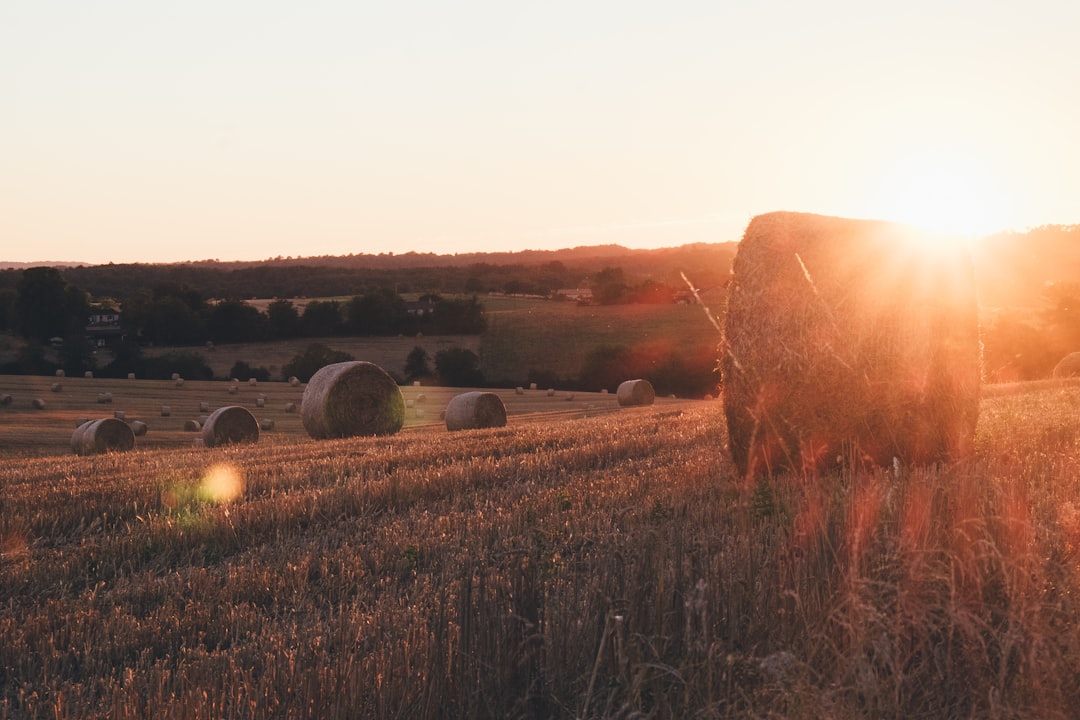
(1028, 289)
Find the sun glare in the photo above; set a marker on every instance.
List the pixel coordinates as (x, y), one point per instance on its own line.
(943, 195)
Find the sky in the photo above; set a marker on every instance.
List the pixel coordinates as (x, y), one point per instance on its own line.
(134, 131)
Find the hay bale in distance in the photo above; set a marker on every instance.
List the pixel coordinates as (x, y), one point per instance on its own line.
(477, 409)
(204, 407)
(38, 404)
(192, 426)
(519, 390)
(119, 414)
(352, 398)
(88, 374)
(260, 402)
(101, 436)
(850, 339)
(1068, 366)
(104, 398)
(60, 373)
(56, 387)
(230, 425)
(266, 424)
(178, 382)
(131, 376)
(290, 407)
(532, 386)
(166, 411)
(294, 381)
(174, 376)
(232, 389)
(631, 393)
(551, 392)
(6, 399)
(138, 427)
(253, 382)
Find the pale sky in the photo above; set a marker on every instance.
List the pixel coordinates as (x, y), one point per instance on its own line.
(150, 131)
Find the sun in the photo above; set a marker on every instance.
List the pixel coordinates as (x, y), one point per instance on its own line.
(942, 193)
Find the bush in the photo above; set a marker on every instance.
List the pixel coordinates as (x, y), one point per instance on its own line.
(315, 356)
(459, 367)
(242, 371)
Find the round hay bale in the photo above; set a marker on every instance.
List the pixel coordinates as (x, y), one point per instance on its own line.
(201, 419)
(229, 425)
(569, 397)
(421, 399)
(532, 386)
(631, 393)
(478, 409)
(56, 387)
(294, 381)
(131, 376)
(848, 339)
(104, 398)
(88, 374)
(232, 389)
(253, 382)
(1068, 366)
(266, 424)
(178, 382)
(260, 402)
(416, 383)
(101, 436)
(519, 390)
(6, 399)
(290, 407)
(166, 411)
(138, 427)
(352, 398)
(204, 407)
(603, 391)
(551, 392)
(174, 376)
(192, 426)
(420, 413)
(119, 414)
(60, 373)
(38, 404)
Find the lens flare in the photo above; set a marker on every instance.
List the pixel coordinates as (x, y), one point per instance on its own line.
(222, 483)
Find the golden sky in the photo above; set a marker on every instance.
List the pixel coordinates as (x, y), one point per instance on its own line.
(144, 131)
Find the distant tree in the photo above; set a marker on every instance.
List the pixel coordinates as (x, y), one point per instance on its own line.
(417, 366)
(315, 356)
(32, 360)
(377, 313)
(46, 307)
(77, 355)
(459, 367)
(9, 321)
(321, 318)
(241, 370)
(284, 318)
(609, 286)
(236, 321)
(458, 317)
(168, 320)
(188, 364)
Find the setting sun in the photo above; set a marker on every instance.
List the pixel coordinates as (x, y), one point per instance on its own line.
(943, 194)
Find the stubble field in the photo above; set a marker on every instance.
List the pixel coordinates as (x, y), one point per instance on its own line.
(602, 567)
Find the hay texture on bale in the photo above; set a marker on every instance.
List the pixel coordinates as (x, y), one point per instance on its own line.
(1068, 366)
(472, 410)
(230, 425)
(352, 398)
(100, 436)
(635, 392)
(848, 339)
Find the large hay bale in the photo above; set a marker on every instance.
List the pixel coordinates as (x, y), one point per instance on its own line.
(101, 436)
(635, 392)
(478, 409)
(230, 425)
(352, 398)
(848, 339)
(1068, 366)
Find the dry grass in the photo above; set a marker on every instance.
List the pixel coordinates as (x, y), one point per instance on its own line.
(609, 567)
